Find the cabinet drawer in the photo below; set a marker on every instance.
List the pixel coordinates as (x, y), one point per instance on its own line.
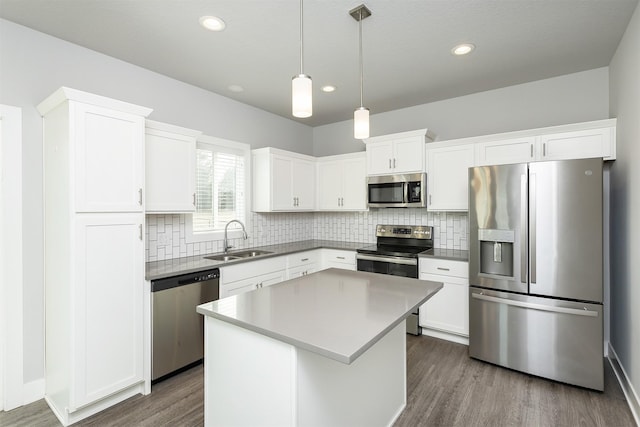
(302, 258)
(245, 270)
(339, 256)
(444, 267)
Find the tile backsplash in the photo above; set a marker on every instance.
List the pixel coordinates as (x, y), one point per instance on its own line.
(165, 234)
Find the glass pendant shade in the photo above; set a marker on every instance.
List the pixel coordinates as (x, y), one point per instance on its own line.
(301, 90)
(361, 123)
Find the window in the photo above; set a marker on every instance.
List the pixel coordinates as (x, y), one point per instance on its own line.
(221, 187)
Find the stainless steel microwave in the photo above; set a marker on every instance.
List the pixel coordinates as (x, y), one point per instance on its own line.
(397, 191)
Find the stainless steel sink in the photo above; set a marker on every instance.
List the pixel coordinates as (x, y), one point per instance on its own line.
(236, 255)
(249, 254)
(223, 258)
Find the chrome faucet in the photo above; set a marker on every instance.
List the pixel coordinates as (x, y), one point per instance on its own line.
(226, 246)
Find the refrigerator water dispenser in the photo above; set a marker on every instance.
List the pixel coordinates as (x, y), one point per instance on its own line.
(496, 252)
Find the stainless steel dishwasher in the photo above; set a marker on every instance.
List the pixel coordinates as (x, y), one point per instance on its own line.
(177, 330)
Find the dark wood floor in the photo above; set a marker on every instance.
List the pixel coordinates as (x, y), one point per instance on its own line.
(445, 388)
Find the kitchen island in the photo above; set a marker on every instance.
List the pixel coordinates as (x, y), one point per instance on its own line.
(324, 349)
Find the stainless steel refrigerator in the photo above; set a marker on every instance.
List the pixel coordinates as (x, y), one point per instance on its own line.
(536, 269)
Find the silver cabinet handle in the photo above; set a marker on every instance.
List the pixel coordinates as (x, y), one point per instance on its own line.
(194, 199)
(391, 259)
(532, 151)
(532, 225)
(523, 228)
(140, 196)
(429, 199)
(394, 163)
(304, 259)
(544, 149)
(534, 306)
(340, 257)
(140, 231)
(443, 269)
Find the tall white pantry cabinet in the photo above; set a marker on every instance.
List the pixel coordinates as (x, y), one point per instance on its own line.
(94, 251)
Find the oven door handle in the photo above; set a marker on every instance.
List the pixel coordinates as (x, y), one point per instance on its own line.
(391, 259)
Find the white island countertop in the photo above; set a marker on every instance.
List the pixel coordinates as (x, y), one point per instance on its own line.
(336, 313)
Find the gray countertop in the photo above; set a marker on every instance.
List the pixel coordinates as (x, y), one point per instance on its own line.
(176, 266)
(450, 254)
(336, 313)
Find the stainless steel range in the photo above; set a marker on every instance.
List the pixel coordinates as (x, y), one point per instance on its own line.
(396, 253)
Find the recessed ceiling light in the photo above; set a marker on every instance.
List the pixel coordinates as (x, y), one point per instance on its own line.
(212, 23)
(236, 88)
(329, 88)
(463, 49)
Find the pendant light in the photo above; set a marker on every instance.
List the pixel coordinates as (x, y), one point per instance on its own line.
(301, 86)
(361, 114)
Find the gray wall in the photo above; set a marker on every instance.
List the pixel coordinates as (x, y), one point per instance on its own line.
(625, 203)
(33, 65)
(571, 98)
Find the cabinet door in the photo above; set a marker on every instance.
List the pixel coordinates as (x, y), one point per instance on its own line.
(354, 184)
(507, 151)
(170, 169)
(408, 155)
(447, 176)
(237, 288)
(108, 309)
(271, 279)
(282, 183)
(448, 310)
(108, 159)
(380, 158)
(304, 184)
(578, 145)
(330, 182)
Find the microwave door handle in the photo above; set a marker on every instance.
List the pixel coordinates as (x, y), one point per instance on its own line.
(407, 192)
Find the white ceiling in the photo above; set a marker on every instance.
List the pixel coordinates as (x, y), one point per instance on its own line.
(406, 43)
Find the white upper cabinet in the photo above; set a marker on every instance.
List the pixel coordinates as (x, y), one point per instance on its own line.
(447, 171)
(108, 158)
(397, 153)
(574, 141)
(283, 181)
(170, 168)
(598, 142)
(342, 182)
(507, 151)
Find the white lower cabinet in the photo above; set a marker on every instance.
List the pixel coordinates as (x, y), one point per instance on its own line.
(336, 258)
(107, 315)
(302, 263)
(446, 314)
(247, 276)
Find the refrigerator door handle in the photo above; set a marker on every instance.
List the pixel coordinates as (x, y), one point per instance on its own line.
(523, 228)
(533, 306)
(532, 224)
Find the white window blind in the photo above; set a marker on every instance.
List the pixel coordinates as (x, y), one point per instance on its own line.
(220, 187)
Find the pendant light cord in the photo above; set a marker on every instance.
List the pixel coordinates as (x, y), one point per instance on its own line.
(301, 39)
(361, 71)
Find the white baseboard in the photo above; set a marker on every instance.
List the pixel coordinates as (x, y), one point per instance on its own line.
(33, 391)
(629, 392)
(445, 336)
